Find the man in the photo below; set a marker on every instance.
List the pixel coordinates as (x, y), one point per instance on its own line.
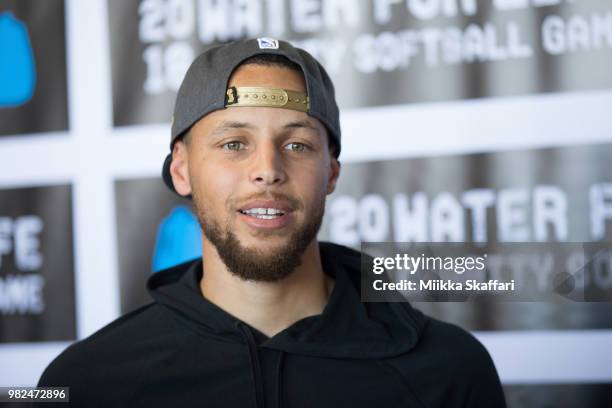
(268, 317)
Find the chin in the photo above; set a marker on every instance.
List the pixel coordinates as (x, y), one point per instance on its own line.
(266, 242)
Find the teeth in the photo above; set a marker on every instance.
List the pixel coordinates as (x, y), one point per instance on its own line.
(266, 217)
(263, 211)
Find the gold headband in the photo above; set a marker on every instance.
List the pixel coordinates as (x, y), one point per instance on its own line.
(267, 97)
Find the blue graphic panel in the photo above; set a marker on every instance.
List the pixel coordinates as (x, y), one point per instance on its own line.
(178, 239)
(17, 71)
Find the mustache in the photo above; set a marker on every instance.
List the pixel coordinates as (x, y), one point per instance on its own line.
(287, 200)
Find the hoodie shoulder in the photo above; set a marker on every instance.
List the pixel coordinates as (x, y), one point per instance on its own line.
(450, 367)
(116, 353)
(88, 350)
(457, 348)
(447, 366)
(124, 345)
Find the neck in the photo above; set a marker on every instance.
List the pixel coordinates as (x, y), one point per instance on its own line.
(270, 307)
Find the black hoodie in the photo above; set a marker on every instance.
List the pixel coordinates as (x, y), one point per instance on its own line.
(183, 351)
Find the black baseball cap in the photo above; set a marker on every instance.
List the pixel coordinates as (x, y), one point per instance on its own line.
(204, 89)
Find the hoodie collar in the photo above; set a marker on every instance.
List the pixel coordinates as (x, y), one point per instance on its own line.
(347, 327)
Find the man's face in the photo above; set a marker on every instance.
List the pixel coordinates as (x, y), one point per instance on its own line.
(242, 161)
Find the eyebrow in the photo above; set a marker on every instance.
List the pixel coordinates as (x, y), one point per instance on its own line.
(229, 125)
(301, 124)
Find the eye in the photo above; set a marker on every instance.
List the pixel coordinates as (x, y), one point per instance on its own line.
(296, 147)
(233, 145)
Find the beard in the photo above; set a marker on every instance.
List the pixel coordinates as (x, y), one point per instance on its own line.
(254, 264)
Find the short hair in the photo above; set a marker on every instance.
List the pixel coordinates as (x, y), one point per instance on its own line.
(274, 60)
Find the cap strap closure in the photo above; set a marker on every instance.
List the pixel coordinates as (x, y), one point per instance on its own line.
(267, 97)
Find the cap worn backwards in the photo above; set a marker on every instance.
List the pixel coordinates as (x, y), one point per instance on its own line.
(204, 89)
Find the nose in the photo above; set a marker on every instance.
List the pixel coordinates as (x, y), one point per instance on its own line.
(267, 166)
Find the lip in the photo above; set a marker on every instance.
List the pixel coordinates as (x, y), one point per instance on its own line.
(280, 205)
(275, 223)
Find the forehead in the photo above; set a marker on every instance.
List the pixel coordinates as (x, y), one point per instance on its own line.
(256, 118)
(272, 76)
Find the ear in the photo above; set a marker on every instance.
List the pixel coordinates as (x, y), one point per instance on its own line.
(179, 168)
(333, 175)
